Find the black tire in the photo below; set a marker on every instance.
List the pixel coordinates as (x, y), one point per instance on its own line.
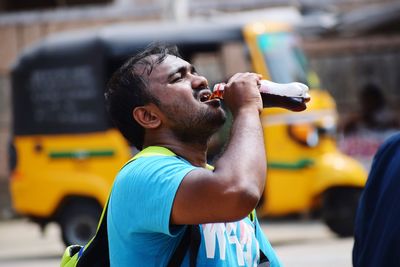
(339, 207)
(78, 222)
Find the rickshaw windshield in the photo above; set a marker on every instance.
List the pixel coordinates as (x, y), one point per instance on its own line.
(285, 60)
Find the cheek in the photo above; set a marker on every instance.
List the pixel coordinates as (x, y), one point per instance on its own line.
(176, 109)
(181, 90)
(183, 100)
(184, 108)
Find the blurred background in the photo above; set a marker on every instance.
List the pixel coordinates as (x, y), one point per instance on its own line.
(52, 56)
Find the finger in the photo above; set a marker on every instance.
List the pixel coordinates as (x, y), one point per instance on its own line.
(234, 77)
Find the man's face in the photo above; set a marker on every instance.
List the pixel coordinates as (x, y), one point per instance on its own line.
(182, 95)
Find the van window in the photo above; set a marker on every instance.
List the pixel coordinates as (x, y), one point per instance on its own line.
(285, 60)
(219, 65)
(209, 65)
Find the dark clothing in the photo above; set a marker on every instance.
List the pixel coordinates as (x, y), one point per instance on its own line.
(377, 225)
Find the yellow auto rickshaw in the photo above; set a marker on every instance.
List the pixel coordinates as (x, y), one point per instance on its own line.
(66, 152)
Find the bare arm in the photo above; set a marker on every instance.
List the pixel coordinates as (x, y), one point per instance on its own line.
(232, 190)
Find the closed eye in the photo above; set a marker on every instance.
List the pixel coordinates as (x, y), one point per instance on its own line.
(181, 73)
(176, 78)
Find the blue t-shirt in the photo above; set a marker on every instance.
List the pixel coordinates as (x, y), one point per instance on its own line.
(138, 219)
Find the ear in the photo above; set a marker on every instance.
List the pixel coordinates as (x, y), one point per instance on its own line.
(147, 117)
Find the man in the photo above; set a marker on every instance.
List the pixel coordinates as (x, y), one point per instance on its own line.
(377, 227)
(158, 100)
(365, 131)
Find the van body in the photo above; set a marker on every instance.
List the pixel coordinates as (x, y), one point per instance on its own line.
(67, 153)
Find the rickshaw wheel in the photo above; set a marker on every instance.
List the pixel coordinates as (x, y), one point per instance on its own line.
(79, 221)
(339, 207)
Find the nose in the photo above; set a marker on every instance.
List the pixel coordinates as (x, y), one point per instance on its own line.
(199, 82)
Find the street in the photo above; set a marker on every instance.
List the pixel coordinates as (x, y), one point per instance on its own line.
(297, 243)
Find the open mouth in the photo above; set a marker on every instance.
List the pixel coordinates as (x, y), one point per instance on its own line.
(204, 96)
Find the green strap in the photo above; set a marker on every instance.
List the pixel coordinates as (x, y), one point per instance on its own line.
(147, 152)
(154, 151)
(151, 151)
(252, 216)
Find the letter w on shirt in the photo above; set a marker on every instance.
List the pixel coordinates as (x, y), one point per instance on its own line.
(222, 233)
(213, 232)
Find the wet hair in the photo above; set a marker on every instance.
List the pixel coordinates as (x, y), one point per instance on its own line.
(128, 89)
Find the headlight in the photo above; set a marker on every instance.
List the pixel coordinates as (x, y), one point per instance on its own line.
(304, 133)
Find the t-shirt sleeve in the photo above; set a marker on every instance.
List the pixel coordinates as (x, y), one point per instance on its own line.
(144, 193)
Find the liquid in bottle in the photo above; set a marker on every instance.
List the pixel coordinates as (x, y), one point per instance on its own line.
(291, 96)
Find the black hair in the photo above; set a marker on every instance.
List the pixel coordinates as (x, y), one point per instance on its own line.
(127, 89)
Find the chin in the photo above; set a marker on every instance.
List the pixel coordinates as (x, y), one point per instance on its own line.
(219, 118)
(216, 124)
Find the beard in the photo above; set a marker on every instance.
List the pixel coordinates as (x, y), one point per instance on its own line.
(194, 125)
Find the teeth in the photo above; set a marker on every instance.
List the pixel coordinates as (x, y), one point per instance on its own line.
(204, 97)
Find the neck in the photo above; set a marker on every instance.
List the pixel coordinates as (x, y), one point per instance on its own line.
(195, 153)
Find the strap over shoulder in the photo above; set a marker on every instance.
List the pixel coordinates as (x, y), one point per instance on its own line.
(151, 151)
(154, 151)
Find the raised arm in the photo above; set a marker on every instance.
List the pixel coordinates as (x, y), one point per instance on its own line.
(233, 189)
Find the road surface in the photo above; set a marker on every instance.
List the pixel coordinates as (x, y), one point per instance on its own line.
(297, 243)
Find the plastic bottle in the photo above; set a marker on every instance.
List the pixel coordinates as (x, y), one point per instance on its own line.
(291, 96)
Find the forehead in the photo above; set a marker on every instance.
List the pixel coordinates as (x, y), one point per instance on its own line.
(170, 65)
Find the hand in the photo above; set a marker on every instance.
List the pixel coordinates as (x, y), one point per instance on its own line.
(242, 92)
